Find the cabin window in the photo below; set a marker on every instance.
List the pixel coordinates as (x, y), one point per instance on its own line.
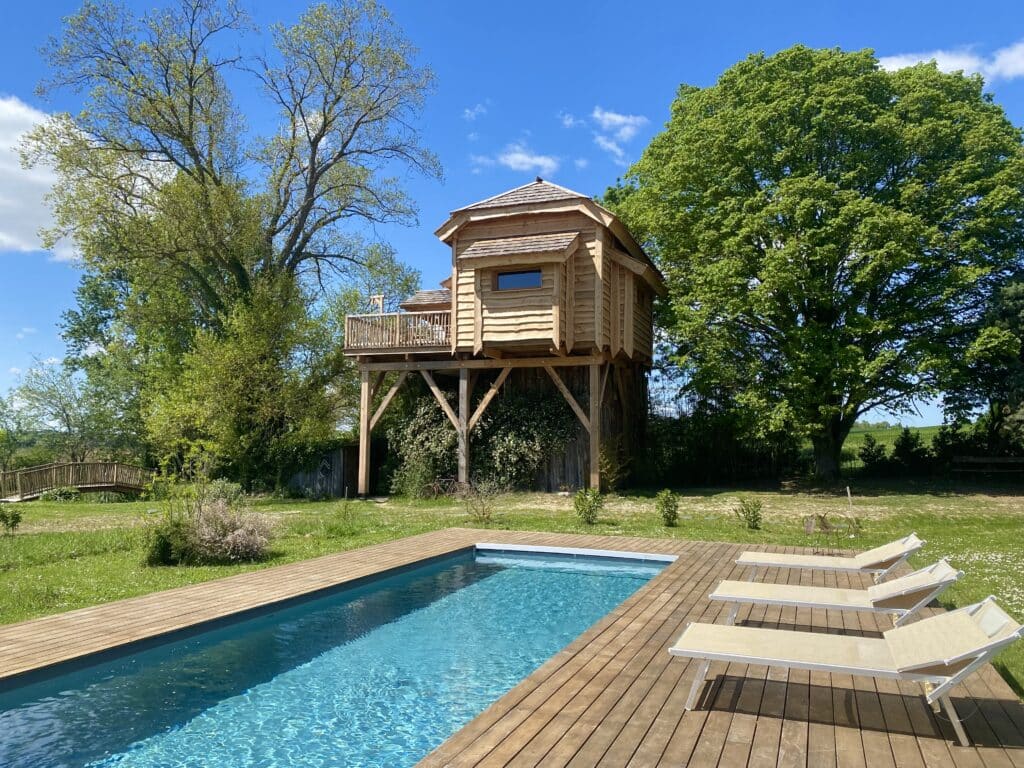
(511, 281)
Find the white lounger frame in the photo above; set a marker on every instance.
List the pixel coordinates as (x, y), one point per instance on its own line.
(936, 687)
(880, 573)
(900, 615)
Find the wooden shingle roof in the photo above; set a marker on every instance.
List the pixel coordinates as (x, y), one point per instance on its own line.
(538, 191)
(555, 242)
(441, 298)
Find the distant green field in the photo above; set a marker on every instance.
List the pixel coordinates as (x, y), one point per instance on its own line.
(885, 435)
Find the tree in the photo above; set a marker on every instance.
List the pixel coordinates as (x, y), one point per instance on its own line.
(155, 178)
(12, 432)
(830, 232)
(53, 398)
(186, 220)
(259, 398)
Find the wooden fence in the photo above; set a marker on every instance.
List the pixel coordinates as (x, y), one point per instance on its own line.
(33, 482)
(398, 330)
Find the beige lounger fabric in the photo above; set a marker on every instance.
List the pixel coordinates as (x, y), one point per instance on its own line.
(901, 595)
(758, 592)
(878, 558)
(754, 645)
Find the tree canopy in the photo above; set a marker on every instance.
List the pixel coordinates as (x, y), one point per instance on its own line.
(187, 219)
(830, 232)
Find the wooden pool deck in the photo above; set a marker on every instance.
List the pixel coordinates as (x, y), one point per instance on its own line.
(614, 696)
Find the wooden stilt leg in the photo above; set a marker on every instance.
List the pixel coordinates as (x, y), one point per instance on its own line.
(364, 432)
(595, 426)
(463, 425)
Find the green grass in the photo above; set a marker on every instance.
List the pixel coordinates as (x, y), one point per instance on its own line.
(69, 556)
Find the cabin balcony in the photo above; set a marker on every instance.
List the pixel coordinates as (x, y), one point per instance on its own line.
(398, 332)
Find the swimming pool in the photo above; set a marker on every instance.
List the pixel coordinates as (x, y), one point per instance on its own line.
(373, 675)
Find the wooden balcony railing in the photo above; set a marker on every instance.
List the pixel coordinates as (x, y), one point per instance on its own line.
(399, 330)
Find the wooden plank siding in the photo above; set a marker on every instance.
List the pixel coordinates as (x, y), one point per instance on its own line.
(612, 697)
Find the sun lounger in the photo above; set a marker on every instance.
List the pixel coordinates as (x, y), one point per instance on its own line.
(901, 597)
(938, 652)
(879, 561)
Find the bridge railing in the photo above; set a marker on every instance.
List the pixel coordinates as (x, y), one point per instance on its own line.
(34, 481)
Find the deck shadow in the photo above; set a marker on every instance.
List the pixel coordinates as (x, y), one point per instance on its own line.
(864, 710)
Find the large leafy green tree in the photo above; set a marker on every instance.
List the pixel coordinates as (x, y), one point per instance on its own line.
(830, 232)
(186, 218)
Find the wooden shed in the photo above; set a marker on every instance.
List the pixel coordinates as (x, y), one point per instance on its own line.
(542, 279)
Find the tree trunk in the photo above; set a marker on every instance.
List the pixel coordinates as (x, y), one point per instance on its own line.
(827, 445)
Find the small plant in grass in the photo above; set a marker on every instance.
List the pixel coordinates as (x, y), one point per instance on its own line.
(751, 512)
(10, 518)
(667, 504)
(61, 495)
(479, 499)
(588, 502)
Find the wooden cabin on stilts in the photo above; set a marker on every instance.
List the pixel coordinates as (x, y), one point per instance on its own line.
(545, 284)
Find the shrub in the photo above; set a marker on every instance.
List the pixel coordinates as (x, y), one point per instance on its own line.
(751, 512)
(170, 541)
(221, 534)
(667, 504)
(424, 444)
(197, 531)
(614, 464)
(518, 434)
(873, 454)
(587, 503)
(222, 490)
(10, 518)
(62, 495)
(910, 452)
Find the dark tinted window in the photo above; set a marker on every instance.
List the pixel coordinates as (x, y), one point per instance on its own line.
(508, 281)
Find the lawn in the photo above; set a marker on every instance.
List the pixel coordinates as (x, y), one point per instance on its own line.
(71, 555)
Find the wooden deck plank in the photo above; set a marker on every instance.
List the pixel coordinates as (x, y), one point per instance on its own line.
(613, 696)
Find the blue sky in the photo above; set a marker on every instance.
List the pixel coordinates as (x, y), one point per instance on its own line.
(570, 91)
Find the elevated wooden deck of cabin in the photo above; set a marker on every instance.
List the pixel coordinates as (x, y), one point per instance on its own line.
(614, 696)
(398, 332)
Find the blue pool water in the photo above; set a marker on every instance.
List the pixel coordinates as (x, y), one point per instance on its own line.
(376, 675)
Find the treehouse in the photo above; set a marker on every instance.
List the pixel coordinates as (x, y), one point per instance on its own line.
(547, 288)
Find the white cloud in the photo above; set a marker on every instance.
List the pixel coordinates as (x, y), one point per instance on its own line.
(622, 127)
(568, 120)
(14, 371)
(520, 157)
(24, 332)
(1005, 63)
(611, 147)
(581, 163)
(472, 113)
(23, 209)
(472, 136)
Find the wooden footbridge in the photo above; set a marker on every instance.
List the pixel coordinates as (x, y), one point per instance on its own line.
(87, 477)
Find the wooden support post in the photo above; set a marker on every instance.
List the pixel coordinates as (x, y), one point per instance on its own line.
(595, 426)
(491, 394)
(364, 432)
(387, 399)
(463, 427)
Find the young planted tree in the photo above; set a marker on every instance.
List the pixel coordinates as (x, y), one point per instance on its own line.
(186, 218)
(830, 232)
